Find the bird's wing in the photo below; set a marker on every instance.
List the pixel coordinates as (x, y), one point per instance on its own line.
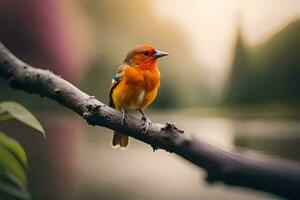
(115, 81)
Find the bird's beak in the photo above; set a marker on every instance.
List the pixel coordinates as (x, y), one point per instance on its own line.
(159, 54)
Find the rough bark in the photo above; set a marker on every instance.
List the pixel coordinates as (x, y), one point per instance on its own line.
(279, 177)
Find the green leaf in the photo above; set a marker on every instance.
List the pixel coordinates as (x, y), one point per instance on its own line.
(14, 147)
(12, 188)
(13, 179)
(10, 164)
(5, 116)
(2, 111)
(22, 114)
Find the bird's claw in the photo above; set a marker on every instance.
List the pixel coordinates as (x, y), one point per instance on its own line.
(124, 118)
(147, 122)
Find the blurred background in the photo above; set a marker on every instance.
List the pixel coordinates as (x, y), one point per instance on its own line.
(232, 79)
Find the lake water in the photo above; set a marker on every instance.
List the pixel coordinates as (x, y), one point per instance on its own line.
(140, 173)
(76, 161)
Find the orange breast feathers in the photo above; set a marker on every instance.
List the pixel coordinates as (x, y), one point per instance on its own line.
(137, 87)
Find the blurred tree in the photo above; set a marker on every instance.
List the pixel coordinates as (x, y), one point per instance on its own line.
(34, 28)
(269, 72)
(41, 33)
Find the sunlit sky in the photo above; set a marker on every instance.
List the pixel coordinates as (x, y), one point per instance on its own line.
(212, 25)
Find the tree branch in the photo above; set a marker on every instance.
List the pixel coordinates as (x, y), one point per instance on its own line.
(277, 177)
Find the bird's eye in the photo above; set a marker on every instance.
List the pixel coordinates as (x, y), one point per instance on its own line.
(146, 53)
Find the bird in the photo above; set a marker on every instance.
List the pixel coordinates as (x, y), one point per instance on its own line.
(135, 85)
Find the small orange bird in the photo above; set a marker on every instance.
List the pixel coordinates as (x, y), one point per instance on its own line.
(135, 86)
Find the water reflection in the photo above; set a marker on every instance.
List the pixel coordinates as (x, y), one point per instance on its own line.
(275, 137)
(138, 173)
(78, 160)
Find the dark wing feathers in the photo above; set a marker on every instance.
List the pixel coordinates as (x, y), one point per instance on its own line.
(116, 78)
(115, 81)
(111, 102)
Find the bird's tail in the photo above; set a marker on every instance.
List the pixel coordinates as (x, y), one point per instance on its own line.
(120, 139)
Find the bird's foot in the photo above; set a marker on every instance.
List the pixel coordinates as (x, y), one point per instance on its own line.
(147, 122)
(124, 118)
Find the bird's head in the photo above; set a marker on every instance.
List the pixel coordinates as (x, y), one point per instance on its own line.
(143, 55)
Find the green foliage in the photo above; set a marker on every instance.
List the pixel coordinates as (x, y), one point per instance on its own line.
(14, 147)
(12, 110)
(11, 188)
(13, 160)
(13, 180)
